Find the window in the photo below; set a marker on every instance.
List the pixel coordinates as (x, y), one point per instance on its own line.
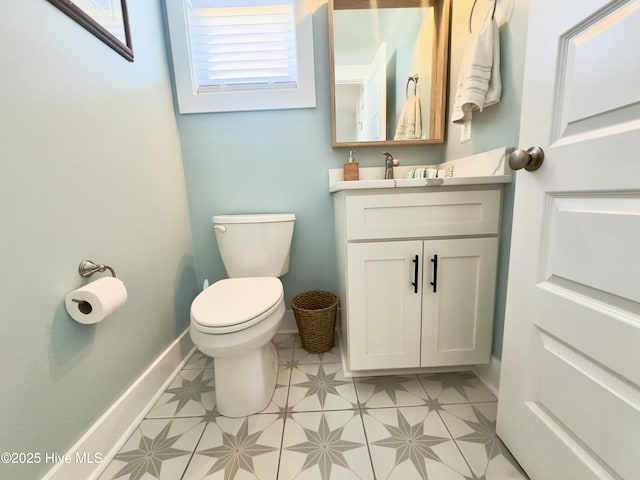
(236, 55)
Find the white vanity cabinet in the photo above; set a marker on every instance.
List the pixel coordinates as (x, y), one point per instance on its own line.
(392, 248)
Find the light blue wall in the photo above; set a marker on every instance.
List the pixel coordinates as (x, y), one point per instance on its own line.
(275, 161)
(498, 125)
(90, 168)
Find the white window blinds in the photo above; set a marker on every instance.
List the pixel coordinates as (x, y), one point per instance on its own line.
(242, 44)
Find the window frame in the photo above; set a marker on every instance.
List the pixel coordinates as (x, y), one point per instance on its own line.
(191, 101)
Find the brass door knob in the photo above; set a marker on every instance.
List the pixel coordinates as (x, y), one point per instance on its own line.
(529, 159)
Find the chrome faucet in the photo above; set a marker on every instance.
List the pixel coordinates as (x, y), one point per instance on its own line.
(389, 163)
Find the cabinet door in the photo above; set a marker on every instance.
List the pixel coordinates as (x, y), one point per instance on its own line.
(457, 319)
(383, 309)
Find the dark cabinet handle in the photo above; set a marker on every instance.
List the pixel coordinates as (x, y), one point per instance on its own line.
(434, 260)
(415, 274)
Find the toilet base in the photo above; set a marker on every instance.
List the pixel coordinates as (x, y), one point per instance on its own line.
(245, 383)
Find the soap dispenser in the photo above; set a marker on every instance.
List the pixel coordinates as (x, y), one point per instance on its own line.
(351, 168)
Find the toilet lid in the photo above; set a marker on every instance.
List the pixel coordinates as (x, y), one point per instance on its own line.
(235, 301)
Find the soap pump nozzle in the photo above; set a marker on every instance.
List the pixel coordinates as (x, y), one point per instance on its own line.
(351, 159)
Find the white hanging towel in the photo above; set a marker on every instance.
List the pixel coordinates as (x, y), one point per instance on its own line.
(479, 83)
(410, 121)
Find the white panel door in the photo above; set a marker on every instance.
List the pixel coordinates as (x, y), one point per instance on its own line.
(383, 306)
(457, 301)
(374, 98)
(569, 405)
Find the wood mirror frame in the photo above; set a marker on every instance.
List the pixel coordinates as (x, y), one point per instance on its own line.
(439, 72)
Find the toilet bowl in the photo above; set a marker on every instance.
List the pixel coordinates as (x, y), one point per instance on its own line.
(234, 321)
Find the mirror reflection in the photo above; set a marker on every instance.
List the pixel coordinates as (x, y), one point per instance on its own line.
(389, 71)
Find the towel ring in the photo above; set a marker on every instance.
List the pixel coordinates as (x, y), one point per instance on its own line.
(473, 7)
(414, 79)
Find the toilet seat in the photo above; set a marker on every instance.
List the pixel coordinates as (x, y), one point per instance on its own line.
(234, 304)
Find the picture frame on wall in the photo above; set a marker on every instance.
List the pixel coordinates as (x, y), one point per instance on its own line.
(105, 19)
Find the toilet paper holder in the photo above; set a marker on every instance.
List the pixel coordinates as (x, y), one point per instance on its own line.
(88, 268)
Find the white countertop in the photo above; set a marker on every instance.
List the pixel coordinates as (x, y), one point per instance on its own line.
(481, 169)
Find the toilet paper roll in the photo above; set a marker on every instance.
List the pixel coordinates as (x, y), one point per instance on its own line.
(93, 302)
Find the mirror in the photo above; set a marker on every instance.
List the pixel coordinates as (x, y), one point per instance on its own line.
(106, 19)
(388, 66)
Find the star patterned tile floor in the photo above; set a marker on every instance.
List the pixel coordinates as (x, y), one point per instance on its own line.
(320, 425)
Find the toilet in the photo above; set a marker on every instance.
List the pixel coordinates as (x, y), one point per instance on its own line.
(234, 320)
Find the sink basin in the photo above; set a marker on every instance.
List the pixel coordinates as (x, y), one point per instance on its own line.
(361, 184)
(484, 168)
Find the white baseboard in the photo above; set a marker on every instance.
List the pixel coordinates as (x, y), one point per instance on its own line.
(288, 324)
(112, 430)
(490, 374)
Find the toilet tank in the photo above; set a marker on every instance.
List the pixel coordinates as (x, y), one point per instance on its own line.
(255, 245)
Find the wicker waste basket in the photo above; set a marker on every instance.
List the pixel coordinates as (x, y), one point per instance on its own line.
(315, 314)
